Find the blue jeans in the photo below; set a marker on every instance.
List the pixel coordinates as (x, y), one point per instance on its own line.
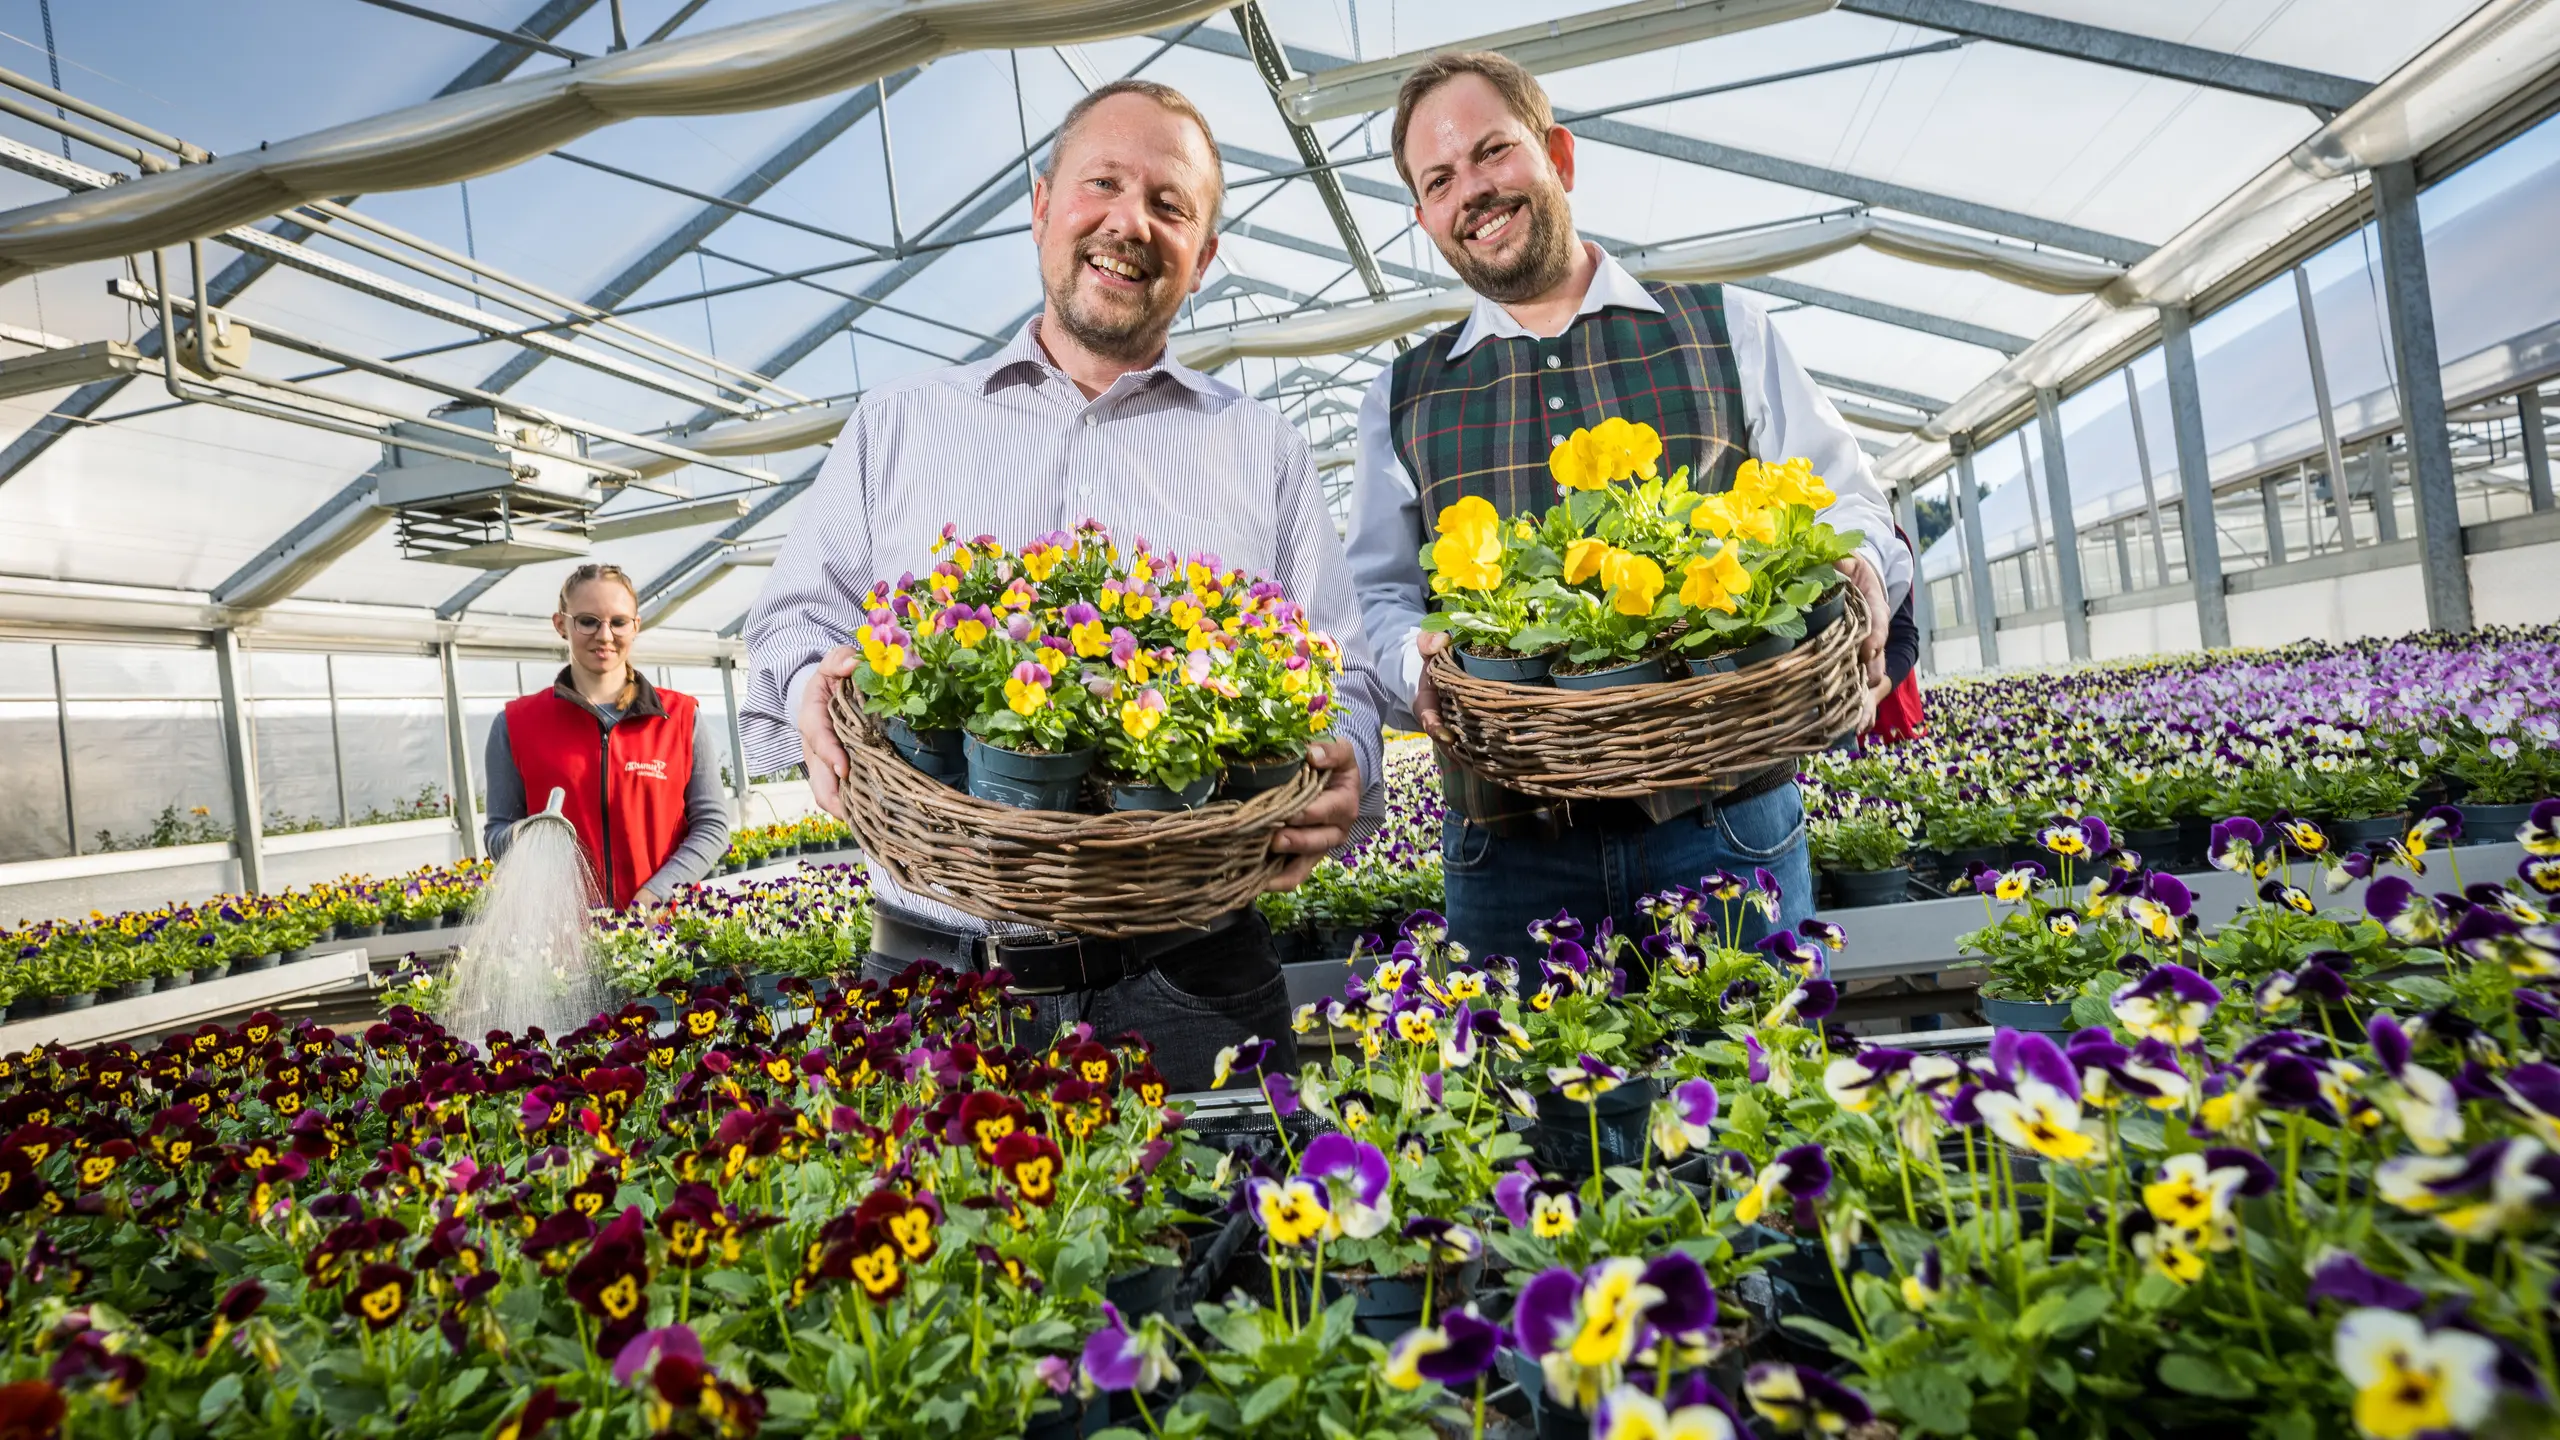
(1500, 885)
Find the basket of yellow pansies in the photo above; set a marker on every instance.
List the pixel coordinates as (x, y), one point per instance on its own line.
(1074, 738)
(1644, 635)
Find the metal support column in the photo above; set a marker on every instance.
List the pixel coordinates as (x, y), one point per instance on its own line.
(2339, 499)
(2377, 475)
(457, 742)
(2537, 446)
(1923, 612)
(737, 738)
(2124, 559)
(2150, 486)
(337, 739)
(240, 749)
(1980, 600)
(2271, 510)
(62, 734)
(2195, 480)
(2035, 569)
(2421, 376)
(2066, 526)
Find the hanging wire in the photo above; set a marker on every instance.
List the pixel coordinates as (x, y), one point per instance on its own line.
(710, 337)
(470, 242)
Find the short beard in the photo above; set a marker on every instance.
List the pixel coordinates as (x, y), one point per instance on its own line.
(1543, 262)
(1130, 341)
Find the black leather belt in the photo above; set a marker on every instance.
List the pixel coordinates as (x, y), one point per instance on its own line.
(1552, 820)
(1039, 964)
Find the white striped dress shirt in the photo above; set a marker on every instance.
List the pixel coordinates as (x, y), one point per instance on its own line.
(1009, 446)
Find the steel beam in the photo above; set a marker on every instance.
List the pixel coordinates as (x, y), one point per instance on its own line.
(2120, 50)
(2195, 480)
(240, 756)
(737, 739)
(1923, 609)
(2536, 442)
(1962, 331)
(2150, 485)
(547, 20)
(1273, 66)
(457, 742)
(766, 505)
(2421, 376)
(2339, 499)
(342, 522)
(2271, 515)
(702, 223)
(1982, 602)
(1774, 169)
(2066, 525)
(2378, 480)
(461, 600)
(1873, 391)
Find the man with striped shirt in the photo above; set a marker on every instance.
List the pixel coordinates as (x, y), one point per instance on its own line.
(1563, 337)
(1085, 413)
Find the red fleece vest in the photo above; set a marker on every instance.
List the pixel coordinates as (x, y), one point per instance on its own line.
(626, 786)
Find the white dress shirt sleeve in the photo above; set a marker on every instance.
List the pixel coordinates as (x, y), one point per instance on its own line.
(1385, 550)
(1788, 416)
(810, 601)
(1310, 569)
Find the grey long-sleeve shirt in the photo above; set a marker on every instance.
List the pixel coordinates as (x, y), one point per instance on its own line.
(706, 809)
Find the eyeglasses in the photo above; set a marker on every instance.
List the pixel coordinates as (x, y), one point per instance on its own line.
(589, 624)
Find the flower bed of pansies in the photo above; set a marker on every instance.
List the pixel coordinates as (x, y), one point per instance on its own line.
(1634, 1185)
(2357, 736)
(72, 964)
(813, 835)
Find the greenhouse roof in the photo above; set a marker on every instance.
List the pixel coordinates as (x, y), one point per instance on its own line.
(1950, 203)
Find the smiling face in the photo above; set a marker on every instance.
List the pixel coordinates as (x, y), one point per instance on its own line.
(600, 619)
(1490, 192)
(1123, 221)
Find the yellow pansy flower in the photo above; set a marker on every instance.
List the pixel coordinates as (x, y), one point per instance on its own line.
(1583, 558)
(1711, 582)
(1469, 552)
(1633, 580)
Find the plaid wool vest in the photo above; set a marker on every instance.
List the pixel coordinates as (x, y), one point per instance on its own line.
(1481, 424)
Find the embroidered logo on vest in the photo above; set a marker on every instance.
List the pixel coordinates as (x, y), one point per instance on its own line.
(654, 769)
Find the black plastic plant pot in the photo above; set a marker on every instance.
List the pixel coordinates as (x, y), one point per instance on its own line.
(1142, 1292)
(359, 932)
(2156, 847)
(1064, 1423)
(1955, 861)
(2356, 834)
(251, 964)
(131, 989)
(1766, 648)
(1026, 781)
(1510, 669)
(2050, 1017)
(298, 952)
(1561, 1135)
(211, 972)
(942, 754)
(1871, 887)
(1550, 1419)
(176, 979)
(2492, 822)
(1248, 778)
(1651, 670)
(1336, 942)
(2195, 837)
(1826, 612)
(1127, 796)
(63, 1004)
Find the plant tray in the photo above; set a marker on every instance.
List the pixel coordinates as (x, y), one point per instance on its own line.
(1131, 872)
(1701, 733)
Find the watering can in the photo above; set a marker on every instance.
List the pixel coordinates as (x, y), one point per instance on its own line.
(555, 811)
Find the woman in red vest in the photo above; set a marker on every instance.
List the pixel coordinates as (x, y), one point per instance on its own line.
(643, 782)
(1898, 713)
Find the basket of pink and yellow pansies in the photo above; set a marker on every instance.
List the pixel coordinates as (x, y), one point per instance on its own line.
(1643, 634)
(1074, 738)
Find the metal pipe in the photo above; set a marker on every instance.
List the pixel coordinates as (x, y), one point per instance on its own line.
(2339, 499)
(36, 115)
(889, 165)
(2073, 595)
(1852, 63)
(2446, 573)
(489, 32)
(337, 736)
(2195, 479)
(2150, 487)
(878, 251)
(621, 40)
(2271, 513)
(62, 736)
(1981, 599)
(2537, 446)
(193, 155)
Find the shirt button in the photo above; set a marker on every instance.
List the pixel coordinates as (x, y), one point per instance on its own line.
(1085, 490)
(1555, 402)
(1553, 361)
(1554, 440)
(1092, 419)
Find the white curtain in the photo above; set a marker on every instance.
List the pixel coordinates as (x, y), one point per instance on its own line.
(758, 65)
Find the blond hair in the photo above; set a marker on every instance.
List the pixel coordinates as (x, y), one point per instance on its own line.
(1164, 95)
(1520, 91)
(594, 571)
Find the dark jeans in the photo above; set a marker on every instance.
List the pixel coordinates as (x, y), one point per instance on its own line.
(1196, 1001)
(1498, 886)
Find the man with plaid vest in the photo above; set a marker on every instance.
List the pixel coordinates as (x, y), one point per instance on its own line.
(1561, 338)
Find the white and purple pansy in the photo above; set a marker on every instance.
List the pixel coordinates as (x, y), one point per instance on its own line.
(2170, 1003)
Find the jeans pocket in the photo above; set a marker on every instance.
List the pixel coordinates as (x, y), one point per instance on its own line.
(1274, 991)
(1464, 845)
(1764, 827)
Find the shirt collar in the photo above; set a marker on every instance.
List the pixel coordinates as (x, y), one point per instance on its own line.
(1025, 350)
(642, 695)
(1611, 285)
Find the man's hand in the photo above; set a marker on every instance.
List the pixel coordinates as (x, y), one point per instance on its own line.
(1879, 617)
(818, 747)
(1316, 831)
(1426, 696)
(645, 899)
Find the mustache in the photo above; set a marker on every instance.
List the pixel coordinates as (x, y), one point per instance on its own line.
(1127, 252)
(1476, 212)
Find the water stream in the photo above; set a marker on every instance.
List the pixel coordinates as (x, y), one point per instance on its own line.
(525, 960)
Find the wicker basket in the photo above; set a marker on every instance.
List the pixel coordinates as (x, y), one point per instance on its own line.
(1111, 875)
(1700, 733)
